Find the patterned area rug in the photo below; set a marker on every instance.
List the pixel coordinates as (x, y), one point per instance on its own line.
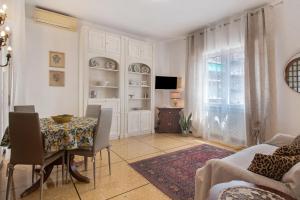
(174, 173)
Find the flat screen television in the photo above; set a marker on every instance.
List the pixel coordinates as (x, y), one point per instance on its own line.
(165, 82)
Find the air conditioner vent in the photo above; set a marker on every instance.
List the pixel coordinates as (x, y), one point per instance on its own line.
(55, 19)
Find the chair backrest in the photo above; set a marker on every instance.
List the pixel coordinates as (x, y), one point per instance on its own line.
(101, 137)
(25, 139)
(25, 108)
(93, 111)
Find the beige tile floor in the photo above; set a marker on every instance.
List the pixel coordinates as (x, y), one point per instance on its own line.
(124, 183)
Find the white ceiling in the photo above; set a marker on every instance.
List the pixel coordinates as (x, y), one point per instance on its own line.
(157, 19)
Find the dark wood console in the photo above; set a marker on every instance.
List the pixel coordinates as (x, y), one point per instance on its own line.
(168, 120)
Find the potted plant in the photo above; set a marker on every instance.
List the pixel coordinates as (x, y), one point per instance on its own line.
(185, 124)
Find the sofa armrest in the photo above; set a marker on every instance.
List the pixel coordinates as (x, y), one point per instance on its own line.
(218, 171)
(280, 140)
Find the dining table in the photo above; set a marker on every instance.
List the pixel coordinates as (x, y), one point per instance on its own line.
(78, 133)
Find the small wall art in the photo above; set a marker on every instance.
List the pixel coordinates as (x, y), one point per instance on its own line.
(56, 78)
(56, 59)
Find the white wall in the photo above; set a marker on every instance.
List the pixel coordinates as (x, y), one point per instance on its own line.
(170, 61)
(287, 44)
(41, 39)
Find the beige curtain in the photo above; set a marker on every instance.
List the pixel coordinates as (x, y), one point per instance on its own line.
(195, 68)
(259, 75)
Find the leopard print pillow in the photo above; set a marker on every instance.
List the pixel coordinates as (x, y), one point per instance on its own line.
(272, 166)
(292, 149)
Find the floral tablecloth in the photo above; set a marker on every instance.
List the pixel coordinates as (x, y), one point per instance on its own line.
(77, 133)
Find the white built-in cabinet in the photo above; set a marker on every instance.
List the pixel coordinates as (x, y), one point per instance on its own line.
(139, 93)
(104, 42)
(105, 60)
(140, 50)
(139, 122)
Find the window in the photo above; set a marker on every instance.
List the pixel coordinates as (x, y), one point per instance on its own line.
(225, 102)
(225, 71)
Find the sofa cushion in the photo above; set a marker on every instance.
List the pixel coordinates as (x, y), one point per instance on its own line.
(291, 149)
(280, 140)
(272, 166)
(243, 158)
(292, 179)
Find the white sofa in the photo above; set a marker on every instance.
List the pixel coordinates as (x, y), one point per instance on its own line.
(235, 167)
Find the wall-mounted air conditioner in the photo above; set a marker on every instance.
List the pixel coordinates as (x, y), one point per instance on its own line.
(55, 19)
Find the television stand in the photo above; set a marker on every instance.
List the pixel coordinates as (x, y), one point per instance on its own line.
(168, 120)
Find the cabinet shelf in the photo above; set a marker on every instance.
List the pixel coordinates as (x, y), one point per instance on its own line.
(135, 99)
(108, 87)
(138, 73)
(104, 69)
(138, 110)
(142, 86)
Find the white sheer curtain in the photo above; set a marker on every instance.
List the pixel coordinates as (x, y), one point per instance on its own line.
(215, 82)
(224, 108)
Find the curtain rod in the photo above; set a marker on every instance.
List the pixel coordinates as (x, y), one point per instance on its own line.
(280, 2)
(276, 3)
(272, 5)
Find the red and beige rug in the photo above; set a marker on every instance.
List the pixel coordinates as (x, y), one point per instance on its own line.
(174, 173)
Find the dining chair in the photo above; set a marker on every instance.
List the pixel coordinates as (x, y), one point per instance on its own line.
(100, 141)
(27, 146)
(26, 109)
(92, 111)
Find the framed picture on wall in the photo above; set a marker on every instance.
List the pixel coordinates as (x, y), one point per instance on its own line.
(56, 78)
(56, 59)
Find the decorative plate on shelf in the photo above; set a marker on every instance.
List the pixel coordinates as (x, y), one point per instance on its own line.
(130, 68)
(93, 62)
(136, 68)
(145, 69)
(110, 65)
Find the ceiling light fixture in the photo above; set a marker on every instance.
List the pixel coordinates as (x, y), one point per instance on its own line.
(4, 35)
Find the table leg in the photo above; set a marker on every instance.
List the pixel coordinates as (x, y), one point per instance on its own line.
(36, 185)
(74, 172)
(48, 169)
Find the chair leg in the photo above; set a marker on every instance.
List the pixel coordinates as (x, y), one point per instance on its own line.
(109, 164)
(10, 176)
(94, 171)
(85, 163)
(63, 169)
(68, 167)
(33, 171)
(41, 182)
(100, 155)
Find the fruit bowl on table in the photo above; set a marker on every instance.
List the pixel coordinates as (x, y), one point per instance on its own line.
(60, 119)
